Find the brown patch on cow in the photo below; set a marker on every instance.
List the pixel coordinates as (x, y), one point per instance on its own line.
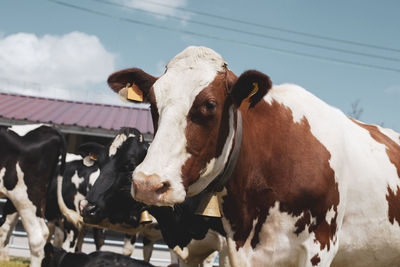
(393, 199)
(281, 161)
(207, 128)
(315, 260)
(392, 148)
(393, 152)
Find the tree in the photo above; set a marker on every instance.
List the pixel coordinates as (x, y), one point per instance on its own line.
(356, 111)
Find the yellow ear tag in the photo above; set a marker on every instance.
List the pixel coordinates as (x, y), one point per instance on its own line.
(255, 89)
(246, 101)
(135, 94)
(93, 157)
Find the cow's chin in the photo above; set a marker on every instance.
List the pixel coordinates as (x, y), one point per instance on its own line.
(168, 198)
(92, 220)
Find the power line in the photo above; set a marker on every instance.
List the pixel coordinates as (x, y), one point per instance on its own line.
(321, 37)
(254, 33)
(359, 64)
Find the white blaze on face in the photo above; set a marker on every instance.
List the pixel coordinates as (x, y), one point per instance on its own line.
(22, 130)
(187, 74)
(118, 141)
(72, 157)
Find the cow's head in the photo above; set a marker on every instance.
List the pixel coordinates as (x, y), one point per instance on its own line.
(110, 195)
(193, 105)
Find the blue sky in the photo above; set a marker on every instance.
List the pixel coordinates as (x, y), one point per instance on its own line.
(342, 51)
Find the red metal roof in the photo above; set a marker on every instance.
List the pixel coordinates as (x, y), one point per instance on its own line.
(63, 112)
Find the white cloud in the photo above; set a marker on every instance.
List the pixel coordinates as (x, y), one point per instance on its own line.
(53, 66)
(393, 90)
(162, 7)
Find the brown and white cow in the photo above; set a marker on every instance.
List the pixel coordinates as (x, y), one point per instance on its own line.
(307, 186)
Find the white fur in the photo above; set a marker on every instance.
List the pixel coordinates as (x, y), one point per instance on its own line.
(93, 177)
(73, 216)
(34, 226)
(22, 130)
(88, 162)
(187, 74)
(76, 180)
(118, 141)
(5, 234)
(198, 251)
(72, 157)
(363, 172)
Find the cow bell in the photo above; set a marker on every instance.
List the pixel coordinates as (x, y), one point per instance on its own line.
(209, 206)
(145, 217)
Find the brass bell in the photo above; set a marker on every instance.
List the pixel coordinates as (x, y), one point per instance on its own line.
(209, 206)
(145, 217)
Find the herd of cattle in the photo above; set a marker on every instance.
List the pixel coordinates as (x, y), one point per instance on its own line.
(297, 182)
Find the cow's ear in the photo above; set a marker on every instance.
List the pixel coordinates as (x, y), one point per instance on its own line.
(131, 84)
(251, 86)
(92, 152)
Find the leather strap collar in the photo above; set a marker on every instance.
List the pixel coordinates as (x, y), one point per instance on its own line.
(220, 181)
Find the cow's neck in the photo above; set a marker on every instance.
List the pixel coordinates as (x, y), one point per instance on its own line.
(221, 180)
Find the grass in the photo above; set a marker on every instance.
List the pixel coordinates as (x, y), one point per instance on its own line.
(16, 262)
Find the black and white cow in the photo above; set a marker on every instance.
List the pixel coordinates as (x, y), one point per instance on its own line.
(79, 174)
(192, 237)
(125, 152)
(29, 155)
(78, 178)
(58, 257)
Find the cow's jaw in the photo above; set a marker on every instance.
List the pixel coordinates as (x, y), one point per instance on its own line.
(158, 179)
(216, 165)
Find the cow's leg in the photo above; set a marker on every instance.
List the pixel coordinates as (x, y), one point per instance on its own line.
(147, 249)
(224, 256)
(129, 245)
(98, 236)
(209, 261)
(69, 240)
(312, 255)
(79, 241)
(37, 232)
(58, 236)
(10, 220)
(52, 228)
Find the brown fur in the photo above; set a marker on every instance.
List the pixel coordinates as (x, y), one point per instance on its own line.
(206, 130)
(280, 161)
(315, 260)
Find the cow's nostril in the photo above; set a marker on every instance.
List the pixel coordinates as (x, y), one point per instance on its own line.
(90, 210)
(162, 188)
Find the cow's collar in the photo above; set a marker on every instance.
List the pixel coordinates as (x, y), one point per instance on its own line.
(220, 181)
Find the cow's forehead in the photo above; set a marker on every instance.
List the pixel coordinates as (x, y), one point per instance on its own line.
(186, 75)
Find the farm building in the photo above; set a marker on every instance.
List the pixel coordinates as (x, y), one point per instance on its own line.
(80, 122)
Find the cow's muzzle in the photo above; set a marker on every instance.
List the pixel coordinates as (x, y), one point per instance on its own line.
(149, 189)
(89, 212)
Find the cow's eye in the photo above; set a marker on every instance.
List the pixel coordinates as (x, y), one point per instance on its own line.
(210, 105)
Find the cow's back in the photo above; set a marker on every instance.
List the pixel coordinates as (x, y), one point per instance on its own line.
(366, 163)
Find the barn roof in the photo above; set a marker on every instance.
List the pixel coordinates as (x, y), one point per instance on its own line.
(73, 117)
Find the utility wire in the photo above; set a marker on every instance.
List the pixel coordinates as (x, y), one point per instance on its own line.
(321, 37)
(359, 64)
(253, 33)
